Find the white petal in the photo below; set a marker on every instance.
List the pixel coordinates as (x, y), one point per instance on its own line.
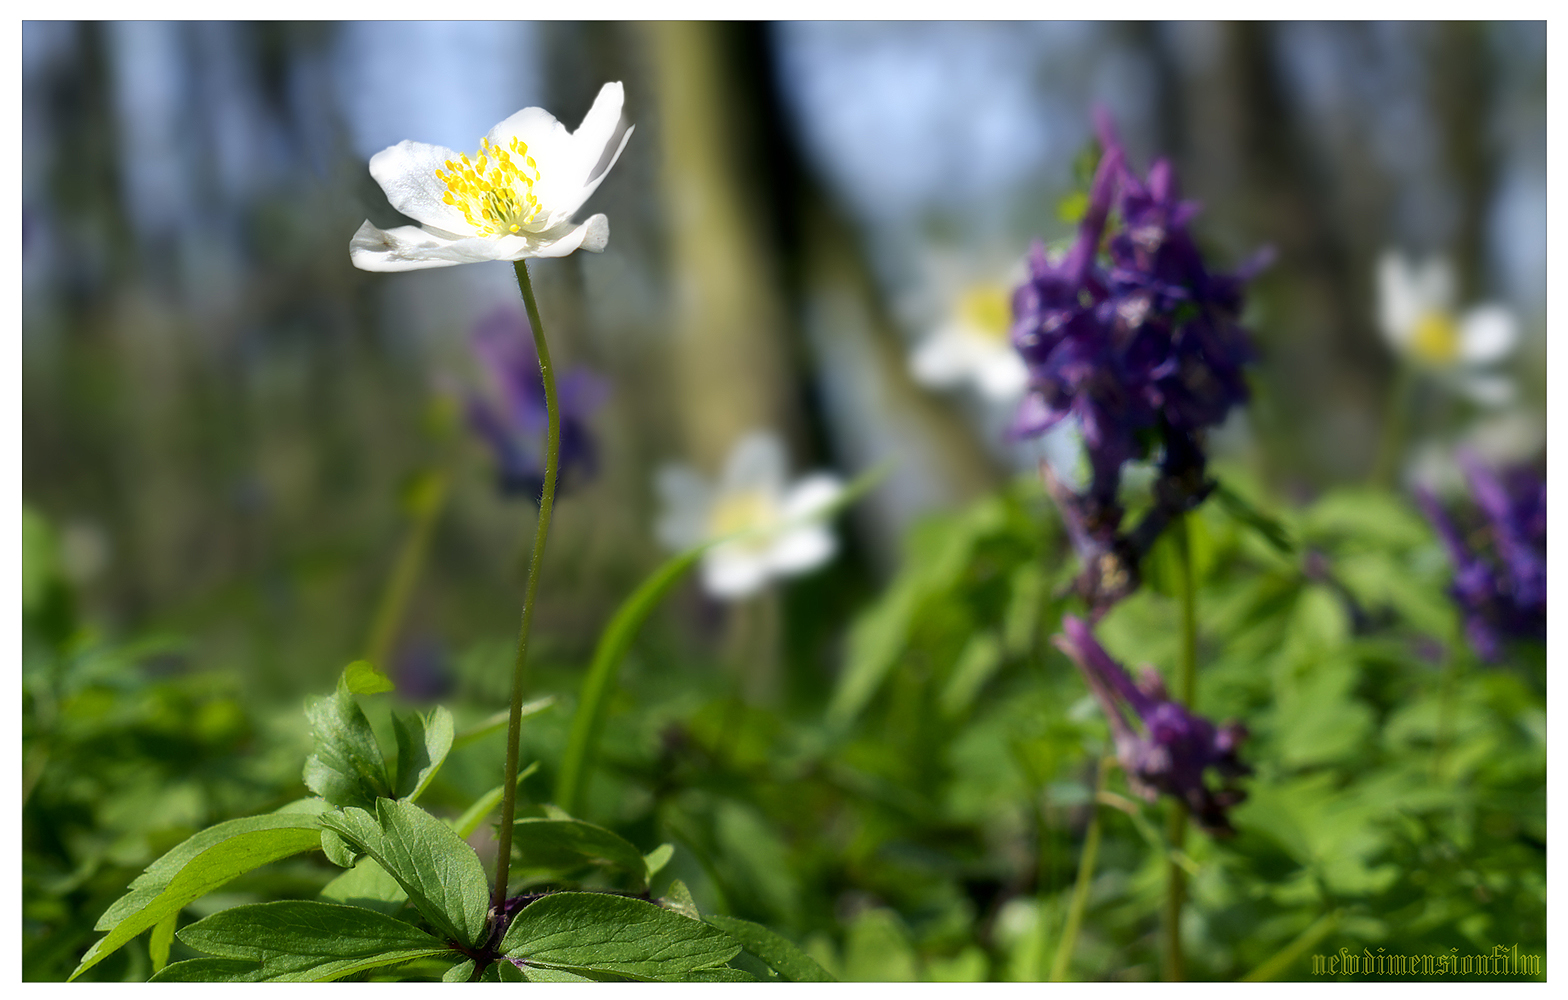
(1434, 285)
(1003, 376)
(591, 236)
(756, 463)
(801, 550)
(730, 573)
(940, 361)
(1487, 333)
(409, 248)
(810, 495)
(1397, 305)
(407, 173)
(1488, 390)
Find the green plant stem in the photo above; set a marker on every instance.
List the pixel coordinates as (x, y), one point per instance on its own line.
(405, 572)
(1396, 423)
(1271, 967)
(1186, 682)
(1086, 862)
(514, 725)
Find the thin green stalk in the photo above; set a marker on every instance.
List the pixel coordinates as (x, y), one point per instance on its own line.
(1271, 968)
(1091, 854)
(427, 502)
(1396, 426)
(514, 725)
(1186, 682)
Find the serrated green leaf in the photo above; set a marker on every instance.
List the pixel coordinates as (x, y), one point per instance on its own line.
(559, 844)
(423, 741)
(439, 871)
(347, 768)
(462, 972)
(160, 940)
(677, 899)
(302, 941)
(781, 955)
(207, 970)
(540, 974)
(475, 814)
(600, 932)
(655, 860)
(194, 868)
(338, 851)
(362, 677)
(367, 884)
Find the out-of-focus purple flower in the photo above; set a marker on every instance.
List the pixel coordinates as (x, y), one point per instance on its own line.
(1175, 746)
(1139, 341)
(1499, 565)
(420, 669)
(514, 423)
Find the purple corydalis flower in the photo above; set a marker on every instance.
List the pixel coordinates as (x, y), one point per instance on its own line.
(1176, 746)
(1142, 344)
(1500, 567)
(515, 424)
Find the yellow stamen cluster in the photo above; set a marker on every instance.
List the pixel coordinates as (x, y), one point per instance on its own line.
(1436, 339)
(495, 190)
(752, 510)
(987, 309)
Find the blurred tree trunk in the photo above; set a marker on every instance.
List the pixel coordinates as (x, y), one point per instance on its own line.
(1462, 83)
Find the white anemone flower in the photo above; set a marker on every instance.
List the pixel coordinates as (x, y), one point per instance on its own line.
(1417, 316)
(512, 200)
(974, 345)
(778, 527)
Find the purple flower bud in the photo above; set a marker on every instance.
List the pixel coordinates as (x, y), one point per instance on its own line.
(1175, 746)
(515, 425)
(1499, 565)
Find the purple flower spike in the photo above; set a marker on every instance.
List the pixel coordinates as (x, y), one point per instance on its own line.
(1500, 565)
(1141, 343)
(514, 425)
(1176, 746)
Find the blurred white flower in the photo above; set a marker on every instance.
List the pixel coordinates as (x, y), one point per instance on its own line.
(1417, 316)
(972, 344)
(777, 535)
(513, 199)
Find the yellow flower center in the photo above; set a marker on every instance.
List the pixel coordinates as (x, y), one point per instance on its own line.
(746, 511)
(1436, 339)
(988, 310)
(495, 190)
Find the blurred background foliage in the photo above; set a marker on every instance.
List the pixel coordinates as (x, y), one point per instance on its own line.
(225, 427)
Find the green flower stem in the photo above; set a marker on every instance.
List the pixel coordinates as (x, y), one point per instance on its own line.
(1396, 425)
(1086, 862)
(1186, 680)
(503, 862)
(1276, 964)
(429, 497)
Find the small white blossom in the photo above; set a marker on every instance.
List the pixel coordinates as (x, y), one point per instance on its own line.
(777, 534)
(972, 344)
(1417, 316)
(511, 200)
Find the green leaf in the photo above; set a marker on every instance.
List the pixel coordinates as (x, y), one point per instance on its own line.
(423, 741)
(159, 941)
(475, 814)
(981, 657)
(367, 884)
(599, 932)
(196, 867)
(677, 899)
(462, 972)
(540, 974)
(497, 722)
(361, 677)
(347, 768)
(564, 844)
(594, 703)
(782, 955)
(1269, 528)
(339, 851)
(440, 873)
(40, 558)
(207, 970)
(301, 941)
(656, 859)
